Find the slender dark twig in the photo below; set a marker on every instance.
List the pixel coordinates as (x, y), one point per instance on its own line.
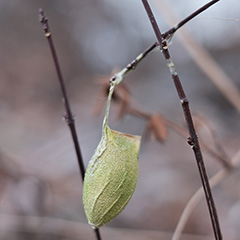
(172, 30)
(169, 33)
(193, 139)
(69, 118)
(131, 66)
(136, 61)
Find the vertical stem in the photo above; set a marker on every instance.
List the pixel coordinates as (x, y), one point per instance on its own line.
(69, 116)
(193, 140)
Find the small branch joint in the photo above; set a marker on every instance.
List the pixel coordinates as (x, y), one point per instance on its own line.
(190, 142)
(184, 101)
(69, 120)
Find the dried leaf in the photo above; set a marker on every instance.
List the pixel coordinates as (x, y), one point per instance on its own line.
(100, 103)
(124, 96)
(158, 128)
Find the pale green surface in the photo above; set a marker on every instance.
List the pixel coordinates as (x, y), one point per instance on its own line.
(111, 177)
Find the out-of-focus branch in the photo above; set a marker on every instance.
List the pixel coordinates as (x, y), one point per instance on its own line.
(198, 196)
(201, 57)
(76, 230)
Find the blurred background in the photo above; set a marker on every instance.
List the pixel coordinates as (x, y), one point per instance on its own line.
(40, 185)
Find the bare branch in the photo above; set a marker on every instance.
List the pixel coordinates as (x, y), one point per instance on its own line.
(202, 58)
(187, 19)
(69, 116)
(193, 139)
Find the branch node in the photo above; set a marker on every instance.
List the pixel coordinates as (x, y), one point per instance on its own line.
(184, 101)
(69, 120)
(190, 142)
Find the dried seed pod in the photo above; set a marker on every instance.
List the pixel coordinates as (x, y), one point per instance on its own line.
(111, 176)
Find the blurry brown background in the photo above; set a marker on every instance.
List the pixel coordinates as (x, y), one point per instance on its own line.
(40, 186)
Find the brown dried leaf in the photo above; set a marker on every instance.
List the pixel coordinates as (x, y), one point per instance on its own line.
(121, 96)
(157, 126)
(124, 95)
(99, 102)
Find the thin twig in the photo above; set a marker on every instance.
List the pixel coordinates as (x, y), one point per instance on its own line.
(193, 139)
(118, 77)
(135, 62)
(69, 116)
(196, 198)
(168, 34)
(187, 19)
(138, 112)
(202, 58)
(205, 62)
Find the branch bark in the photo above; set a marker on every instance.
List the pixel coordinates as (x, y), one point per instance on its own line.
(193, 139)
(202, 58)
(68, 116)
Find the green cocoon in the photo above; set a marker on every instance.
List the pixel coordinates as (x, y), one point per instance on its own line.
(111, 176)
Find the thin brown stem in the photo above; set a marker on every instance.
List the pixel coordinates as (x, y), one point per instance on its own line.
(68, 116)
(138, 113)
(193, 139)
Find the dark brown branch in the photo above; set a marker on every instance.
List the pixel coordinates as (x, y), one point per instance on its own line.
(69, 116)
(193, 139)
